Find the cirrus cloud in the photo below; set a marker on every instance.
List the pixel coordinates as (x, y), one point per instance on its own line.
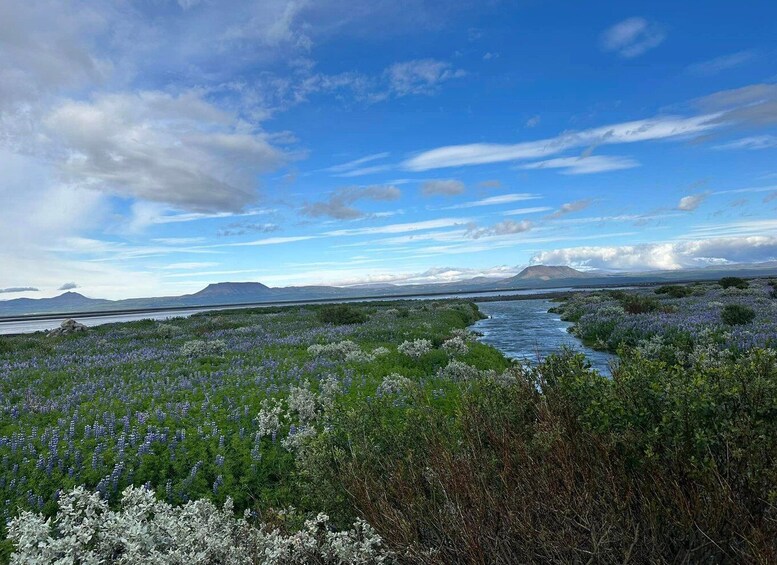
(633, 37)
(585, 165)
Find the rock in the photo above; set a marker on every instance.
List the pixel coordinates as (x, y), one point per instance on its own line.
(68, 327)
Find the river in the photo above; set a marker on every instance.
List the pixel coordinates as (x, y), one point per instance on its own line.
(523, 329)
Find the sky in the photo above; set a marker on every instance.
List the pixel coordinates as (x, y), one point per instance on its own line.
(151, 147)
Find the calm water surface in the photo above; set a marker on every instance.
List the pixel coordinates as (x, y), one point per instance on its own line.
(523, 329)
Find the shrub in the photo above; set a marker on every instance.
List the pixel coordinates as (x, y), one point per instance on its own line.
(415, 349)
(394, 384)
(674, 291)
(455, 346)
(659, 463)
(167, 331)
(200, 348)
(733, 282)
(341, 314)
(459, 371)
(639, 304)
(146, 530)
(338, 350)
(737, 315)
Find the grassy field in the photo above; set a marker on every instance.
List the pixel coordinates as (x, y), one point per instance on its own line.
(391, 413)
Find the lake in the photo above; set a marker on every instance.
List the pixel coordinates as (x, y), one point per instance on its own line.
(523, 329)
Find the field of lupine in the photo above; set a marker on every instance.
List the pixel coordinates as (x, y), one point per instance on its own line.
(384, 432)
(213, 406)
(696, 315)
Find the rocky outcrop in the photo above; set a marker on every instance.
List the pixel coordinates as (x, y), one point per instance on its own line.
(69, 326)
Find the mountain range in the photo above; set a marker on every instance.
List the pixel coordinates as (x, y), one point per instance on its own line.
(230, 293)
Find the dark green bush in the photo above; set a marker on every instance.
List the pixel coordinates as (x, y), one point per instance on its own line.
(733, 282)
(660, 463)
(737, 315)
(674, 291)
(639, 304)
(341, 314)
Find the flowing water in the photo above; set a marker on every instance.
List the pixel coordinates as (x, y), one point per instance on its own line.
(525, 330)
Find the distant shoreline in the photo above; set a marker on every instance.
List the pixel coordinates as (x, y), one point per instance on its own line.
(529, 294)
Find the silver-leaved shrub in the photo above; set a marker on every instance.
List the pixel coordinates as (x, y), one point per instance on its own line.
(145, 530)
(416, 348)
(200, 348)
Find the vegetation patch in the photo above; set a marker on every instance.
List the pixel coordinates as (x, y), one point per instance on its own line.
(341, 314)
(397, 439)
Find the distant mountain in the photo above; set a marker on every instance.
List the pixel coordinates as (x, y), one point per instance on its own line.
(226, 293)
(67, 302)
(71, 299)
(231, 290)
(549, 273)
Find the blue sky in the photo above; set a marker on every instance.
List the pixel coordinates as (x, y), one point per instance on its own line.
(152, 147)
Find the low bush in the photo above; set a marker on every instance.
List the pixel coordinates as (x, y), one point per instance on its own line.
(733, 282)
(737, 315)
(639, 304)
(341, 314)
(146, 530)
(560, 464)
(674, 291)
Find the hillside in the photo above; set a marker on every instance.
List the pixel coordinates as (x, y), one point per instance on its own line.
(231, 290)
(549, 272)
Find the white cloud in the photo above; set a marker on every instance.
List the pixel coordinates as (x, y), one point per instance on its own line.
(531, 210)
(666, 127)
(242, 228)
(345, 169)
(666, 256)
(179, 150)
(398, 276)
(147, 213)
(188, 265)
(507, 227)
(633, 37)
(45, 48)
(754, 105)
(691, 202)
(534, 121)
(740, 228)
(443, 187)
(495, 200)
(584, 165)
(570, 207)
(421, 76)
(403, 228)
(268, 241)
(722, 63)
(753, 142)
